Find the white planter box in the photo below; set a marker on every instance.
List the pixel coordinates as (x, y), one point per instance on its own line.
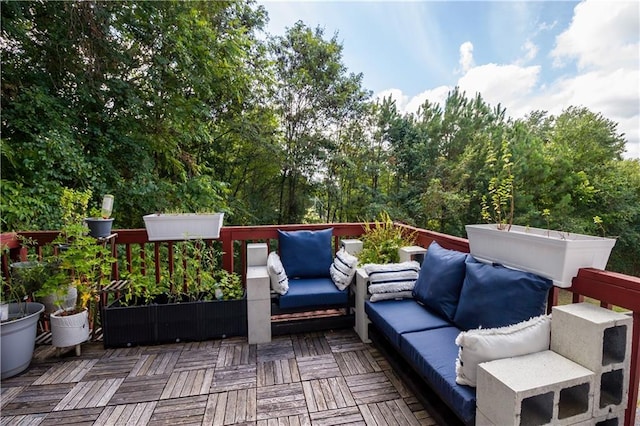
(550, 254)
(187, 226)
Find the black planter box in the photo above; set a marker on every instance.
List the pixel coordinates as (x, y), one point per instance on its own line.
(124, 326)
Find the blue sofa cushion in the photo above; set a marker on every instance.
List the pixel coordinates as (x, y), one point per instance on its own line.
(306, 254)
(440, 280)
(394, 317)
(494, 296)
(433, 354)
(305, 292)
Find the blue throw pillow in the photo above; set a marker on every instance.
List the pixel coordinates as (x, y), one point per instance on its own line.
(306, 254)
(495, 296)
(440, 280)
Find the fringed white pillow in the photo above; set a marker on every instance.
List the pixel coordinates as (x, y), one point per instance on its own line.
(482, 345)
(277, 274)
(392, 277)
(343, 268)
(396, 295)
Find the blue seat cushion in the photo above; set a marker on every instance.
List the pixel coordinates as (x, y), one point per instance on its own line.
(306, 254)
(433, 354)
(440, 280)
(394, 317)
(495, 296)
(305, 292)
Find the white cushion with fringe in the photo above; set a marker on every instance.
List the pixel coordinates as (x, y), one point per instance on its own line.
(482, 345)
(343, 269)
(392, 277)
(397, 295)
(277, 274)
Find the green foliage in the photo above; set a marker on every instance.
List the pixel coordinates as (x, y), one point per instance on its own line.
(501, 207)
(381, 241)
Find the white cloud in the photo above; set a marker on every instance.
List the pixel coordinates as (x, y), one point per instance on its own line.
(603, 35)
(530, 52)
(466, 56)
(395, 94)
(602, 38)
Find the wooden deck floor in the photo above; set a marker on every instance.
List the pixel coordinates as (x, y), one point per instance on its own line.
(328, 378)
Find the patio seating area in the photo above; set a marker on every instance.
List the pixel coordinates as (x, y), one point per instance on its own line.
(326, 378)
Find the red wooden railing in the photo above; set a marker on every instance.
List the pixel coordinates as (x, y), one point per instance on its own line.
(607, 287)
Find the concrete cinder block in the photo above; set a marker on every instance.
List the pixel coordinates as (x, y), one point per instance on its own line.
(257, 254)
(537, 389)
(258, 283)
(362, 320)
(615, 418)
(352, 246)
(600, 340)
(482, 420)
(412, 253)
(258, 329)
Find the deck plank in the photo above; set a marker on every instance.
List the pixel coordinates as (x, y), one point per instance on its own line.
(323, 378)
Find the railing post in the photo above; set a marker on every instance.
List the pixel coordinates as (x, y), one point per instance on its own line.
(227, 249)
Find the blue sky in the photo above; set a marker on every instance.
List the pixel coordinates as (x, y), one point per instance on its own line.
(525, 55)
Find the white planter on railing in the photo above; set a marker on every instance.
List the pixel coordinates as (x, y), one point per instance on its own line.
(183, 226)
(550, 254)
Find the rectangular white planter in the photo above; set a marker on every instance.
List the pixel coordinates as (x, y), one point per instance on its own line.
(183, 226)
(550, 254)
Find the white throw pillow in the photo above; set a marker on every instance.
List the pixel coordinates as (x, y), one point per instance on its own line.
(343, 269)
(482, 345)
(277, 274)
(397, 295)
(392, 277)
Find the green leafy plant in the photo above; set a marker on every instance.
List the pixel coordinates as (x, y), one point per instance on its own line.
(229, 286)
(499, 207)
(381, 241)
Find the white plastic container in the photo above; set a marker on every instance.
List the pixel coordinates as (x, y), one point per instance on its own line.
(184, 226)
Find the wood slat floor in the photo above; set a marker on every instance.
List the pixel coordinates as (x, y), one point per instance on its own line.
(324, 378)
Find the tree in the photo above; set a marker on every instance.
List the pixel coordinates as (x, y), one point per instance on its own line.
(314, 96)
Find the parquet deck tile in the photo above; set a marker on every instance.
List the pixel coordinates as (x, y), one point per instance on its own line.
(356, 362)
(231, 408)
(155, 363)
(393, 413)
(298, 420)
(111, 368)
(95, 393)
(67, 372)
(318, 367)
(340, 416)
(371, 387)
(188, 383)
(23, 420)
(188, 410)
(139, 389)
(37, 399)
(277, 372)
(327, 394)
(196, 359)
(345, 341)
(313, 379)
(85, 416)
(278, 349)
(127, 414)
(310, 344)
(280, 401)
(236, 354)
(233, 378)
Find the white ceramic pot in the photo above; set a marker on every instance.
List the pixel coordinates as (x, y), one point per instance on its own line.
(186, 226)
(68, 301)
(69, 330)
(550, 254)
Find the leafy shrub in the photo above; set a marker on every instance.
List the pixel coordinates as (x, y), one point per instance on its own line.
(381, 241)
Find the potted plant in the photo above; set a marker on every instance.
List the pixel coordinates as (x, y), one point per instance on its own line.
(183, 226)
(382, 240)
(194, 301)
(100, 221)
(550, 254)
(84, 264)
(18, 328)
